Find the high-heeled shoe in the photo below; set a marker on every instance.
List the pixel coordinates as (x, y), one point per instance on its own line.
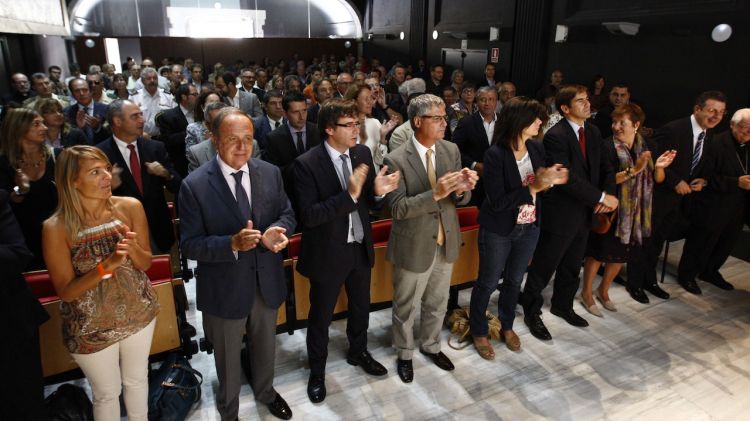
(593, 309)
(608, 304)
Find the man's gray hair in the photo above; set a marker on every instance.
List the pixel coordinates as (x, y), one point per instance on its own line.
(486, 90)
(213, 107)
(94, 68)
(115, 110)
(147, 71)
(421, 104)
(739, 115)
(415, 86)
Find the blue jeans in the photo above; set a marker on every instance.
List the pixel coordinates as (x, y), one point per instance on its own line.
(500, 254)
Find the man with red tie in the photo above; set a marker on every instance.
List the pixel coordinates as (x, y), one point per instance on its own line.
(568, 210)
(141, 169)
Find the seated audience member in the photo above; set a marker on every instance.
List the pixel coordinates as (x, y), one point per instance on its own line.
(20, 89)
(489, 76)
(197, 77)
(457, 81)
(381, 110)
(58, 87)
(27, 171)
(636, 173)
(96, 85)
(336, 186)
(248, 102)
(43, 87)
(424, 240)
(514, 176)
(547, 98)
(162, 82)
(686, 175)
(235, 228)
(247, 80)
(718, 212)
(198, 131)
(260, 84)
(473, 135)
(24, 398)
(371, 133)
(142, 170)
(343, 80)
(291, 84)
(59, 132)
(506, 91)
(556, 82)
(119, 87)
(205, 151)
(173, 125)
(272, 119)
(323, 91)
(435, 81)
(619, 95)
(598, 93)
(152, 100)
(96, 244)
(134, 78)
(291, 140)
(465, 106)
(86, 114)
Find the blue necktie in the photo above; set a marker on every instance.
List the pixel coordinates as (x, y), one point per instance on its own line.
(239, 193)
(697, 152)
(356, 223)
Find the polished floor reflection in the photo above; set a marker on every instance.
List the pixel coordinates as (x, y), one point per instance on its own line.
(684, 358)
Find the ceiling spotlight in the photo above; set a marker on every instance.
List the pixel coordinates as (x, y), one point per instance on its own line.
(217, 5)
(434, 34)
(401, 35)
(721, 32)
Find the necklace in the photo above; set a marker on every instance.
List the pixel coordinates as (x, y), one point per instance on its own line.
(34, 164)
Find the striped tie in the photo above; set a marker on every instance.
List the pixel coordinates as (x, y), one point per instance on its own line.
(697, 152)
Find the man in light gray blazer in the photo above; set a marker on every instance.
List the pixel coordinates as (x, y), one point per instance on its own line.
(245, 101)
(205, 151)
(425, 235)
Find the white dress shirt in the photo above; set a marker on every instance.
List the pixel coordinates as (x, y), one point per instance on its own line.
(151, 105)
(338, 165)
(697, 130)
(422, 152)
(227, 172)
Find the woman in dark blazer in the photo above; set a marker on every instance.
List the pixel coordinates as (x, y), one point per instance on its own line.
(60, 134)
(508, 221)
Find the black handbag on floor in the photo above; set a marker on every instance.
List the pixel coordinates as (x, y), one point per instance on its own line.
(173, 389)
(69, 403)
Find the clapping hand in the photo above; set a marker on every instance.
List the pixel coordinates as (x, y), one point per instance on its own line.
(697, 184)
(116, 178)
(467, 181)
(81, 119)
(357, 180)
(550, 176)
(275, 239)
(122, 250)
(157, 169)
(666, 159)
(385, 184)
(247, 239)
(744, 182)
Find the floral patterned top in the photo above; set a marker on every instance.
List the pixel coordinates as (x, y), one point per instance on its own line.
(526, 212)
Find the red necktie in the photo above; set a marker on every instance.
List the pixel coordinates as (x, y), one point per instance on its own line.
(582, 141)
(135, 168)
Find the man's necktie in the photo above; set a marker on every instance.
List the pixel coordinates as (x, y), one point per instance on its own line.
(697, 152)
(300, 144)
(276, 125)
(239, 193)
(433, 182)
(356, 227)
(582, 141)
(88, 130)
(135, 168)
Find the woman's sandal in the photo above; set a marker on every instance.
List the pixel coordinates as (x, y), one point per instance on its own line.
(485, 351)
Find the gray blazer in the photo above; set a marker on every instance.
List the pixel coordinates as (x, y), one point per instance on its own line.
(400, 135)
(250, 104)
(205, 151)
(415, 214)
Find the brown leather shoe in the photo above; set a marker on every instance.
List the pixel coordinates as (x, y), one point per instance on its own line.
(484, 348)
(512, 341)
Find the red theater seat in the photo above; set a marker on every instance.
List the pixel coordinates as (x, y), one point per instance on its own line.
(467, 218)
(294, 246)
(381, 231)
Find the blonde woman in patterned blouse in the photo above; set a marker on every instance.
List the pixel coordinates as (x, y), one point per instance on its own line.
(96, 247)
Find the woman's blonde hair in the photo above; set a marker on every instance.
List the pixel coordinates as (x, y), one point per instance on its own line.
(45, 105)
(67, 169)
(352, 94)
(16, 124)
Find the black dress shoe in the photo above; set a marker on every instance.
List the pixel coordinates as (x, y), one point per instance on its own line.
(691, 287)
(316, 388)
(405, 370)
(718, 281)
(368, 363)
(656, 291)
(537, 327)
(638, 295)
(440, 360)
(570, 316)
(279, 408)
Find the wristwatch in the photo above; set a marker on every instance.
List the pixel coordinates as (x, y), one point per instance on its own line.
(17, 191)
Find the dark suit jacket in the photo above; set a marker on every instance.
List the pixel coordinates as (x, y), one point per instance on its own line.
(260, 93)
(282, 151)
(603, 120)
(503, 189)
(173, 124)
(324, 210)
(569, 207)
(157, 212)
(100, 111)
(210, 216)
(473, 143)
(74, 137)
(312, 113)
(677, 135)
(262, 128)
(722, 200)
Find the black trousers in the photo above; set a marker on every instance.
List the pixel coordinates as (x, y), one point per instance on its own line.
(353, 271)
(709, 243)
(561, 255)
(668, 224)
(640, 273)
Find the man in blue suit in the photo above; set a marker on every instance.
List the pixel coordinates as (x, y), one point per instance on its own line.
(87, 114)
(272, 119)
(234, 215)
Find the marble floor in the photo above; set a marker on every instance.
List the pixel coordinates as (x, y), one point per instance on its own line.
(687, 358)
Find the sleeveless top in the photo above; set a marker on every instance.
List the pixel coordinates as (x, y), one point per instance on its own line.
(117, 307)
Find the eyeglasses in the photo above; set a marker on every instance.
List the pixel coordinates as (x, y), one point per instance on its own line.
(350, 125)
(715, 111)
(436, 118)
(95, 82)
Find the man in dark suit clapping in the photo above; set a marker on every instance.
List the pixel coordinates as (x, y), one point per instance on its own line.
(568, 210)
